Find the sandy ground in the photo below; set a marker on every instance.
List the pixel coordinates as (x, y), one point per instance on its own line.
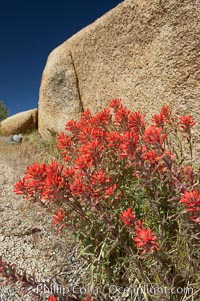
(27, 238)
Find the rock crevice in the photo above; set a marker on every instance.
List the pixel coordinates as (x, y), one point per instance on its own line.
(77, 83)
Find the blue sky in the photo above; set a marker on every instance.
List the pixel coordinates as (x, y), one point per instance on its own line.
(29, 31)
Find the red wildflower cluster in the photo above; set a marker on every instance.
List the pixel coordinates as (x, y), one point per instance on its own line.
(186, 123)
(116, 104)
(191, 201)
(128, 218)
(64, 143)
(42, 182)
(121, 116)
(31, 186)
(154, 135)
(129, 144)
(160, 120)
(144, 238)
(102, 154)
(102, 119)
(58, 216)
(150, 156)
(110, 190)
(136, 122)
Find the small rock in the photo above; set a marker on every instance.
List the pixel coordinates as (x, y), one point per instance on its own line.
(2, 237)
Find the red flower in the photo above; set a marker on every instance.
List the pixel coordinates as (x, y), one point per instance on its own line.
(121, 116)
(64, 143)
(163, 118)
(54, 181)
(36, 172)
(102, 119)
(52, 298)
(86, 117)
(128, 218)
(150, 156)
(58, 216)
(129, 144)
(83, 162)
(92, 150)
(73, 126)
(114, 139)
(136, 121)
(68, 172)
(85, 134)
(191, 200)
(146, 240)
(78, 187)
(33, 182)
(153, 135)
(110, 190)
(115, 104)
(99, 177)
(20, 187)
(186, 123)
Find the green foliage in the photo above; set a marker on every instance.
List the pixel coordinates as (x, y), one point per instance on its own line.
(3, 111)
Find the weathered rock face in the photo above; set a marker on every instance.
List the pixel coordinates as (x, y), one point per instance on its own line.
(146, 52)
(20, 122)
(59, 94)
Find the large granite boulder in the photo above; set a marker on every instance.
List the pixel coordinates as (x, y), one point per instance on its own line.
(143, 51)
(20, 123)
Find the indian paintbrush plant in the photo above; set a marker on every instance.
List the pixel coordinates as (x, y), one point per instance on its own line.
(127, 195)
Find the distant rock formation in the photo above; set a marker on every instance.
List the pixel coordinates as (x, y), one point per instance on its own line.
(20, 123)
(146, 52)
